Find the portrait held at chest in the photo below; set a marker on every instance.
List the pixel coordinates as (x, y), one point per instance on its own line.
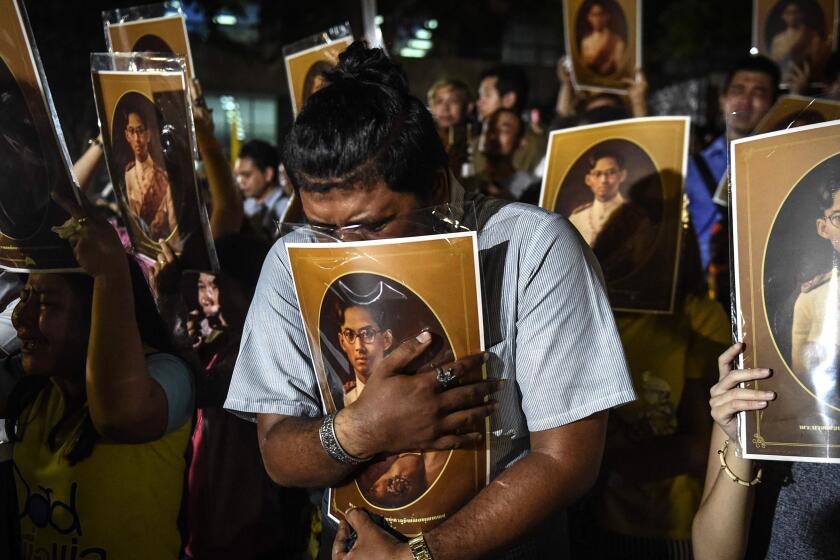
(149, 147)
(359, 301)
(308, 59)
(603, 39)
(796, 34)
(786, 216)
(621, 186)
(34, 165)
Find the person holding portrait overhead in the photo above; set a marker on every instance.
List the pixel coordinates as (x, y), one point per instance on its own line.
(601, 49)
(147, 183)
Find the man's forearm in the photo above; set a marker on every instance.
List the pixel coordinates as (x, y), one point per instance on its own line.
(293, 455)
(522, 497)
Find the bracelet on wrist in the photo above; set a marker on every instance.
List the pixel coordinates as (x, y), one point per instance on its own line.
(734, 477)
(419, 549)
(330, 443)
(95, 142)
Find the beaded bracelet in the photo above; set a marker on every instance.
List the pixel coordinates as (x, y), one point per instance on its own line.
(735, 478)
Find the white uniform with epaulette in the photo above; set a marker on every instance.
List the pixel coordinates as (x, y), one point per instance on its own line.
(814, 336)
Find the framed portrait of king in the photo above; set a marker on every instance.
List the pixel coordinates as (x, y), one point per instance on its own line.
(149, 146)
(358, 302)
(796, 34)
(35, 167)
(604, 42)
(786, 254)
(151, 29)
(621, 186)
(305, 65)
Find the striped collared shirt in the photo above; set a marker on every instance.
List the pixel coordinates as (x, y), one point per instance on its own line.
(547, 322)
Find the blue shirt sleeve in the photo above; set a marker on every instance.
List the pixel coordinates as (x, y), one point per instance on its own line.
(178, 385)
(704, 213)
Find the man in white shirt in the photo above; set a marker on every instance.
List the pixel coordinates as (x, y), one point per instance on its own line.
(257, 171)
(605, 177)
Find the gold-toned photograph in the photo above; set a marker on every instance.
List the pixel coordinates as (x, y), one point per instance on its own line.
(164, 35)
(800, 33)
(621, 186)
(34, 165)
(304, 69)
(786, 236)
(148, 146)
(360, 301)
(603, 39)
(791, 111)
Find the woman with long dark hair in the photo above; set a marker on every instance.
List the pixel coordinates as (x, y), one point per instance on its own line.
(102, 416)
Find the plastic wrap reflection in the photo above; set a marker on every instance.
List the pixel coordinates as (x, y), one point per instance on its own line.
(785, 243)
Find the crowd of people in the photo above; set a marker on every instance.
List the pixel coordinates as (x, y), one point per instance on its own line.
(153, 412)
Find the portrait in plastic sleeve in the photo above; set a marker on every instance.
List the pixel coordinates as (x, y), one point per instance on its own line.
(620, 185)
(787, 238)
(796, 33)
(602, 38)
(34, 166)
(164, 35)
(305, 69)
(147, 142)
(361, 301)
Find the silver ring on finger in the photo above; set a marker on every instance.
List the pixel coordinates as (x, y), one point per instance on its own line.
(445, 377)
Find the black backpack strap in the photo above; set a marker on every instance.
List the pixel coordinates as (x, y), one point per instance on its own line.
(706, 174)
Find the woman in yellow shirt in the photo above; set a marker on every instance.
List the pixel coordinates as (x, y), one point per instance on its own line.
(102, 417)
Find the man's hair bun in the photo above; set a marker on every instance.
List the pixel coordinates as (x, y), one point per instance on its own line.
(367, 66)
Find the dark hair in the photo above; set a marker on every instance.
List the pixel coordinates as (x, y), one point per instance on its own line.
(509, 79)
(592, 160)
(142, 113)
(521, 132)
(758, 63)
(376, 311)
(241, 257)
(827, 179)
(316, 70)
(363, 127)
(153, 333)
(832, 68)
(263, 154)
(152, 44)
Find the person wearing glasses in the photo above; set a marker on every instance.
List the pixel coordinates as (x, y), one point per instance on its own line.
(605, 176)
(618, 231)
(147, 183)
(808, 348)
(364, 341)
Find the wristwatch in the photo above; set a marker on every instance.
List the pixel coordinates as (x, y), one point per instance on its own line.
(419, 549)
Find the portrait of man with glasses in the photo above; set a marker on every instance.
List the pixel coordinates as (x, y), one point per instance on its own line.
(146, 180)
(605, 177)
(618, 230)
(814, 340)
(364, 340)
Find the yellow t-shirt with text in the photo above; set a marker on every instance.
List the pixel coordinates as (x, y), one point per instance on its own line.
(119, 503)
